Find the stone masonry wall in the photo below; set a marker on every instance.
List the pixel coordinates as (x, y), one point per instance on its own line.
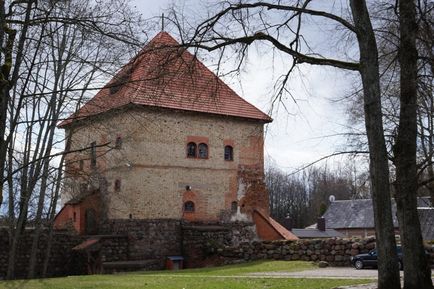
(202, 241)
(154, 171)
(62, 260)
(335, 251)
(147, 239)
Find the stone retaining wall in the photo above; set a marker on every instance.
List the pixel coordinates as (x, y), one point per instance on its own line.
(61, 260)
(336, 252)
(147, 239)
(201, 241)
(201, 244)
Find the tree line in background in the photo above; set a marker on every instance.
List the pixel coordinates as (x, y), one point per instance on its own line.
(304, 196)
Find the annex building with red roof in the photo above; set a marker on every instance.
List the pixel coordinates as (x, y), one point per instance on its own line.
(165, 139)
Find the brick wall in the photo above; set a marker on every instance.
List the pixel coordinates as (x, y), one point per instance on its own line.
(155, 171)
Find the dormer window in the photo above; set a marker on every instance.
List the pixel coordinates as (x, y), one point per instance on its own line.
(119, 81)
(203, 151)
(191, 150)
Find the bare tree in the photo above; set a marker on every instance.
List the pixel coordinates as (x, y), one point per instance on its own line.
(416, 269)
(66, 50)
(304, 196)
(243, 23)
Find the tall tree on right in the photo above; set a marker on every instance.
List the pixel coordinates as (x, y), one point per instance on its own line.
(279, 24)
(417, 273)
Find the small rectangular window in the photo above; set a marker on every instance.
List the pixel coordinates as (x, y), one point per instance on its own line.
(75, 217)
(117, 185)
(118, 143)
(81, 164)
(93, 154)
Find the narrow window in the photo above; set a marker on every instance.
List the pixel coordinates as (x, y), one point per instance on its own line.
(74, 218)
(203, 151)
(229, 153)
(117, 185)
(81, 164)
(93, 154)
(234, 207)
(191, 150)
(189, 206)
(118, 143)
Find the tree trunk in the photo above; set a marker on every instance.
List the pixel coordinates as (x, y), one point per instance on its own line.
(417, 274)
(388, 274)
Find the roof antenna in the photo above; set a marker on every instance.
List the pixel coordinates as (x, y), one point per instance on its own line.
(162, 22)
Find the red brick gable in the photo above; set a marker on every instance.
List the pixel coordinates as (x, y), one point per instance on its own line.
(166, 75)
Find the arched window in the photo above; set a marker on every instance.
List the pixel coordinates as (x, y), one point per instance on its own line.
(191, 150)
(189, 206)
(229, 153)
(203, 151)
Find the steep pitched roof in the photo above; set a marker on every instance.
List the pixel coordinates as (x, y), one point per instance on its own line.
(166, 75)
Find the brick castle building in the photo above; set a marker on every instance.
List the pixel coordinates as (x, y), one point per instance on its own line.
(165, 139)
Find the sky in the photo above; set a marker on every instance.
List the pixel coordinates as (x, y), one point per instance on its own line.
(305, 128)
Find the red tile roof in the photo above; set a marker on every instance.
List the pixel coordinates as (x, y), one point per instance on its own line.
(166, 75)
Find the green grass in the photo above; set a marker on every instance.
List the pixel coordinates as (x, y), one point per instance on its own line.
(226, 277)
(245, 268)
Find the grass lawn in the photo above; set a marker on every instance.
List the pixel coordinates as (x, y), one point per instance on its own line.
(226, 277)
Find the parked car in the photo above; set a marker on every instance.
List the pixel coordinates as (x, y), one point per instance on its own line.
(370, 259)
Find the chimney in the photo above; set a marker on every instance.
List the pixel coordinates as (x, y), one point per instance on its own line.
(321, 224)
(287, 223)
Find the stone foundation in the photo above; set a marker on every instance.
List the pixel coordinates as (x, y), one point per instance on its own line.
(62, 260)
(147, 239)
(202, 242)
(146, 244)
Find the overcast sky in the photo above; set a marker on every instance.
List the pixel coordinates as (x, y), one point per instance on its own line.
(307, 131)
